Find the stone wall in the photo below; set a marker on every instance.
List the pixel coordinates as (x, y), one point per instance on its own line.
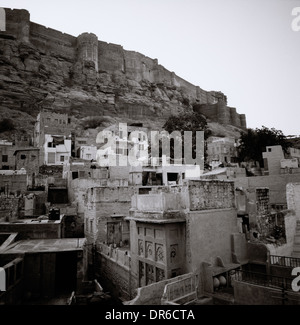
(16, 183)
(10, 208)
(262, 210)
(50, 40)
(113, 268)
(211, 194)
(222, 113)
(33, 230)
(293, 197)
(103, 202)
(123, 80)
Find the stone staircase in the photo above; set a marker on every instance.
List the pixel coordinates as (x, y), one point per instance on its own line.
(296, 248)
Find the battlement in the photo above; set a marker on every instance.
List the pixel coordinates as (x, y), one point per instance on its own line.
(222, 113)
(87, 52)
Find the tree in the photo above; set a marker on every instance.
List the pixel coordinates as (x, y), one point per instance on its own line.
(254, 142)
(186, 121)
(6, 124)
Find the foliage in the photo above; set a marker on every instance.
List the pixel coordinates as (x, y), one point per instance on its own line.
(93, 122)
(6, 125)
(254, 142)
(186, 121)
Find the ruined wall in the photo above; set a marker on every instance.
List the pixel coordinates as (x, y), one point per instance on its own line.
(262, 210)
(13, 183)
(211, 194)
(10, 208)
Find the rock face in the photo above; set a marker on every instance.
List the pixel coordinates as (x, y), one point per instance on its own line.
(41, 68)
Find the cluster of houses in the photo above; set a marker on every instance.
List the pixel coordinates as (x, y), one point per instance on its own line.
(150, 234)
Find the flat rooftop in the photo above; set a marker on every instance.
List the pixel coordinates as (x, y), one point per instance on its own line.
(45, 245)
(32, 221)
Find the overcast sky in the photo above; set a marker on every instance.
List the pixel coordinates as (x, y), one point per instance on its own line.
(246, 49)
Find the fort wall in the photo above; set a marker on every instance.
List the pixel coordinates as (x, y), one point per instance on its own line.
(112, 59)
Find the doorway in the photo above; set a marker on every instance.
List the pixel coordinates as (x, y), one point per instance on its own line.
(65, 272)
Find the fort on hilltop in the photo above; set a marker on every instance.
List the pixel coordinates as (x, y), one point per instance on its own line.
(87, 52)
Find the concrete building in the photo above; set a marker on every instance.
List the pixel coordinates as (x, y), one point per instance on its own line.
(28, 159)
(167, 227)
(53, 136)
(56, 150)
(7, 158)
(13, 181)
(51, 123)
(163, 174)
(117, 142)
(294, 153)
(221, 151)
(42, 269)
(272, 158)
(87, 152)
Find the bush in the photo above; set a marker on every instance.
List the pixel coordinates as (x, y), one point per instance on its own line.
(93, 123)
(6, 125)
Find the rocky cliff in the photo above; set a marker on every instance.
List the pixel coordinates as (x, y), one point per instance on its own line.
(41, 68)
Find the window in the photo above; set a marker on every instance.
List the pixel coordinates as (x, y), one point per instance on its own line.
(51, 157)
(62, 158)
(23, 157)
(51, 145)
(269, 149)
(88, 156)
(4, 158)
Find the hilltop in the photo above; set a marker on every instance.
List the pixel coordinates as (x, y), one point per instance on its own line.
(41, 68)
